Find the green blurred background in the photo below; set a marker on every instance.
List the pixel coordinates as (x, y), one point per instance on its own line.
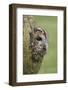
(49, 23)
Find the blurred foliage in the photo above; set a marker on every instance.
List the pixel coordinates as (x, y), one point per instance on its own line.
(49, 23)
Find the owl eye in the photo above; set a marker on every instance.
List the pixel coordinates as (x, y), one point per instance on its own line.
(39, 38)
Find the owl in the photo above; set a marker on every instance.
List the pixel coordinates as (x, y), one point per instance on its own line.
(38, 43)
